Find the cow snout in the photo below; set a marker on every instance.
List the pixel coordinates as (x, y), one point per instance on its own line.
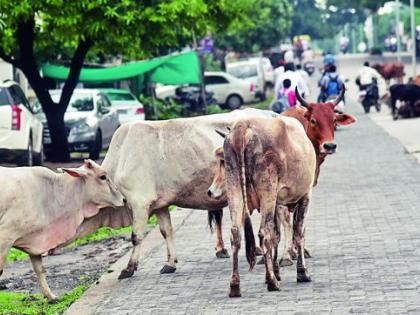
(330, 147)
(124, 200)
(215, 192)
(209, 193)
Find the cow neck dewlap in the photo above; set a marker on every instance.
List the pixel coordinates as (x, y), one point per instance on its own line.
(71, 196)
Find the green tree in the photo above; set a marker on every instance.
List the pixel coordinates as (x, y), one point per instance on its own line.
(36, 31)
(267, 25)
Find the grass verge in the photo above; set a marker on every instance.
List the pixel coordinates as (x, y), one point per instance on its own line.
(100, 234)
(27, 304)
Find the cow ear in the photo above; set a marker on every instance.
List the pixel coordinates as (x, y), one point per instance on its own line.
(74, 172)
(219, 154)
(89, 164)
(345, 119)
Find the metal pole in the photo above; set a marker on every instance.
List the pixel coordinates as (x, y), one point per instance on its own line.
(397, 29)
(413, 39)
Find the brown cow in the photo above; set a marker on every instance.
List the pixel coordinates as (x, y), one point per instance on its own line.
(316, 127)
(391, 71)
(318, 121)
(269, 164)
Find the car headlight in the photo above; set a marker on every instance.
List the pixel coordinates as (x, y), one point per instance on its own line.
(80, 128)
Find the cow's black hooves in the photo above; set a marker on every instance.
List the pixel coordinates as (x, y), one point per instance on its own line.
(303, 277)
(223, 253)
(273, 286)
(235, 291)
(126, 273)
(167, 269)
(284, 262)
(54, 300)
(307, 254)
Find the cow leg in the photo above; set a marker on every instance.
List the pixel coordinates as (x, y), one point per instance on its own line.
(140, 217)
(4, 250)
(277, 238)
(299, 236)
(221, 251)
(235, 289)
(42, 279)
(165, 226)
(289, 253)
(269, 241)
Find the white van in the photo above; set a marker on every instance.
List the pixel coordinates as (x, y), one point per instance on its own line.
(251, 70)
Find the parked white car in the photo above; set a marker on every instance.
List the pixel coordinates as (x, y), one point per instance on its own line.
(228, 90)
(251, 70)
(127, 105)
(89, 119)
(268, 70)
(20, 129)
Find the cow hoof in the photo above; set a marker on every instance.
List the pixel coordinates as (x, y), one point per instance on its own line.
(258, 251)
(235, 291)
(223, 253)
(53, 300)
(307, 254)
(284, 262)
(273, 286)
(277, 275)
(167, 269)
(261, 261)
(303, 277)
(126, 273)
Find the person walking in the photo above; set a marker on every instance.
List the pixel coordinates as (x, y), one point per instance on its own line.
(331, 84)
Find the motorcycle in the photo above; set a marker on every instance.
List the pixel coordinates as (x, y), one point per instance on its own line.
(370, 97)
(191, 99)
(309, 67)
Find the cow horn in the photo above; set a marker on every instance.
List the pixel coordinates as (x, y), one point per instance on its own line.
(340, 96)
(222, 134)
(300, 98)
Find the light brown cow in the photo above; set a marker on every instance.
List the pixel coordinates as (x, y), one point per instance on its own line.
(41, 210)
(269, 163)
(319, 122)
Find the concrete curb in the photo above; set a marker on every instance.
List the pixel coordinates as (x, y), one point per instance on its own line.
(109, 282)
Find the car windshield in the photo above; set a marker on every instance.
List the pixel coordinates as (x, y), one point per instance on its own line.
(243, 71)
(4, 100)
(79, 102)
(120, 96)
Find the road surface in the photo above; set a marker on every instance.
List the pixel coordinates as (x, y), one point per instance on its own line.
(363, 233)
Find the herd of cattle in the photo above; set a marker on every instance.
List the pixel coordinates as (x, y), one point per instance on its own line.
(407, 93)
(266, 162)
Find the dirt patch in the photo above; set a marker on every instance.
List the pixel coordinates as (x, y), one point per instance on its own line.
(67, 268)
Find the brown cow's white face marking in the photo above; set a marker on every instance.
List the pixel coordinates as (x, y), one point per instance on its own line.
(217, 188)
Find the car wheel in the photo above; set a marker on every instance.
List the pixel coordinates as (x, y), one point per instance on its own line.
(28, 157)
(96, 148)
(234, 102)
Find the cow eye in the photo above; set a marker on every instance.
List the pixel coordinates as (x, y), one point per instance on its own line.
(103, 177)
(313, 121)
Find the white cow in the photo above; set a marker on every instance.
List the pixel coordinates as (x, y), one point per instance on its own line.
(41, 210)
(160, 163)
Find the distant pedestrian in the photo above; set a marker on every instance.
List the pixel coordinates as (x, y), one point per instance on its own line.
(286, 98)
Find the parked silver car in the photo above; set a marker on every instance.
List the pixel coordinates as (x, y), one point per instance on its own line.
(90, 122)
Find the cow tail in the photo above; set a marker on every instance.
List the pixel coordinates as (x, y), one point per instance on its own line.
(250, 247)
(214, 216)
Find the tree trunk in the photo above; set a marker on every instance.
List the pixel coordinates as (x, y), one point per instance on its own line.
(59, 151)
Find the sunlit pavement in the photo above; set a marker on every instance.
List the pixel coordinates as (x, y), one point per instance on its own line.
(363, 233)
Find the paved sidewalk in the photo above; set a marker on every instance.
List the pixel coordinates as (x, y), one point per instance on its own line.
(363, 232)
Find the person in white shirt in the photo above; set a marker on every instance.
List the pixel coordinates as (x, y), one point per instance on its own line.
(366, 76)
(295, 79)
(289, 57)
(304, 76)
